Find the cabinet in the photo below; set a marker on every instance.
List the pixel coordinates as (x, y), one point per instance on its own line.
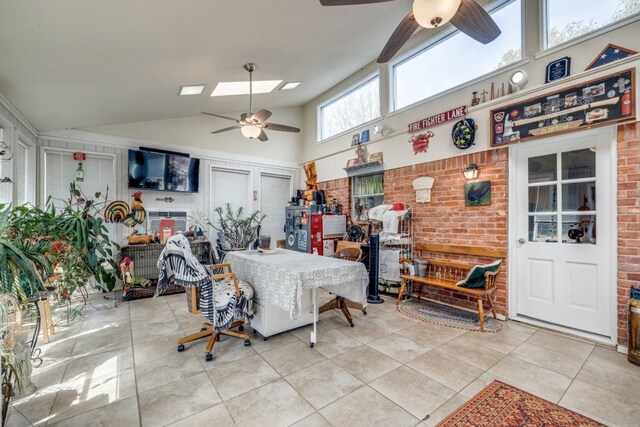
(270, 319)
(367, 192)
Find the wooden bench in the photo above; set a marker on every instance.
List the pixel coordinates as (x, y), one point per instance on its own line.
(445, 274)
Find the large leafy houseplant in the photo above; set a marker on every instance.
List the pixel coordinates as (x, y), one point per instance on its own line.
(239, 230)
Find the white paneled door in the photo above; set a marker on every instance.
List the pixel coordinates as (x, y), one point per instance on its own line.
(275, 192)
(562, 229)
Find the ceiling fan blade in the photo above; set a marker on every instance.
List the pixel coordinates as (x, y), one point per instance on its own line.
(263, 136)
(402, 33)
(222, 117)
(281, 128)
(261, 115)
(474, 21)
(350, 2)
(225, 129)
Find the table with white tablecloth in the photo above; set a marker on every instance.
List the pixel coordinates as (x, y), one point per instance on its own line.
(280, 277)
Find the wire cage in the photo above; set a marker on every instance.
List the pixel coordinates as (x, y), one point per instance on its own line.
(145, 259)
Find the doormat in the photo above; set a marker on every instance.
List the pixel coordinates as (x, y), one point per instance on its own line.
(502, 405)
(441, 314)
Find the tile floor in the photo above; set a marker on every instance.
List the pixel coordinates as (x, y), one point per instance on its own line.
(119, 367)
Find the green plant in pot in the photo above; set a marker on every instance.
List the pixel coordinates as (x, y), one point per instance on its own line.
(239, 231)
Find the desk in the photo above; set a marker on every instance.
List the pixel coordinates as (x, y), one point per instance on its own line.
(280, 278)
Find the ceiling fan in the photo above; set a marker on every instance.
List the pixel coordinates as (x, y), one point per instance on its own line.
(466, 15)
(252, 125)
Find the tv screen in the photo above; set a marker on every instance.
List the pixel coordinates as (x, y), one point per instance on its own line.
(164, 172)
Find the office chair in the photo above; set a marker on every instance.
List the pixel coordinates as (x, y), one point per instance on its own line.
(347, 254)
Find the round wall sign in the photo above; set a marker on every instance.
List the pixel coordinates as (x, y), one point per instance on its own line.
(463, 133)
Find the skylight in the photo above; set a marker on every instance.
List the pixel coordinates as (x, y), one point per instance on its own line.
(242, 88)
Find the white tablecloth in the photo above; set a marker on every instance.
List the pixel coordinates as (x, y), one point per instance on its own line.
(280, 277)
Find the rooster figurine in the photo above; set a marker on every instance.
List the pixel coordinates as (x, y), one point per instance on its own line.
(119, 212)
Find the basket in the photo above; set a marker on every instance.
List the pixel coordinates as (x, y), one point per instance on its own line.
(138, 239)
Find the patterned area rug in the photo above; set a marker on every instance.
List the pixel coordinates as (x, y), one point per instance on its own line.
(501, 405)
(441, 314)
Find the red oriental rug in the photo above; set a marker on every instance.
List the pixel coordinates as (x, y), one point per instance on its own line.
(501, 405)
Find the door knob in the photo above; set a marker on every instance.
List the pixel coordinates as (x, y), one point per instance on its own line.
(522, 241)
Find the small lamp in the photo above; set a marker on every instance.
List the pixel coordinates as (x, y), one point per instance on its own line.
(471, 171)
(250, 131)
(518, 79)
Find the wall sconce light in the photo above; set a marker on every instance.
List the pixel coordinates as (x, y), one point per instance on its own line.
(518, 79)
(382, 130)
(471, 172)
(5, 179)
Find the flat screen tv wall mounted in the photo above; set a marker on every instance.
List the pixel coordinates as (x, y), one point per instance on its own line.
(163, 172)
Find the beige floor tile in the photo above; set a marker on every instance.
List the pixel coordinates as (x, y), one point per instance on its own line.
(84, 393)
(217, 416)
(58, 347)
(571, 346)
(366, 363)
(231, 379)
(148, 351)
(367, 407)
(333, 319)
(547, 358)
(155, 328)
(399, 348)
(292, 357)
(495, 341)
(16, 419)
(37, 407)
(445, 410)
(314, 420)
(611, 357)
(323, 383)
(601, 404)
(173, 367)
(412, 391)
(228, 349)
(537, 380)
(445, 369)
(334, 342)
(303, 333)
(274, 404)
(393, 321)
(123, 413)
(101, 364)
(175, 401)
(469, 352)
(260, 345)
(611, 378)
(101, 339)
(517, 331)
(364, 332)
(429, 334)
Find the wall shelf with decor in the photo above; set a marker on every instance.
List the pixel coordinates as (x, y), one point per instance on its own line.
(364, 169)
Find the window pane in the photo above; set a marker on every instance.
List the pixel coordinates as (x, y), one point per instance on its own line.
(569, 19)
(542, 168)
(579, 229)
(579, 196)
(356, 107)
(579, 164)
(542, 198)
(543, 228)
(458, 59)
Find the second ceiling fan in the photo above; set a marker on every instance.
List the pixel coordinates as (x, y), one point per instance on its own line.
(466, 15)
(253, 125)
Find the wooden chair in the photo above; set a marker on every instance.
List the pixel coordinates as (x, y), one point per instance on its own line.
(207, 330)
(347, 254)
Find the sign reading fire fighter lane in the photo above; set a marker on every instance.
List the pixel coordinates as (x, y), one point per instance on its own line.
(438, 119)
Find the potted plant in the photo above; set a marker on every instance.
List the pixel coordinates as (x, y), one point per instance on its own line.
(238, 230)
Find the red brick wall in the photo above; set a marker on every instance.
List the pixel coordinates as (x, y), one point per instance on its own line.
(446, 219)
(628, 219)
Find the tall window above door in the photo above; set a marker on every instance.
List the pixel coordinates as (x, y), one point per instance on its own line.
(456, 58)
(359, 104)
(570, 19)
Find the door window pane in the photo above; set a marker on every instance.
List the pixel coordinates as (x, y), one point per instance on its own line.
(543, 228)
(542, 168)
(579, 164)
(579, 229)
(542, 198)
(579, 196)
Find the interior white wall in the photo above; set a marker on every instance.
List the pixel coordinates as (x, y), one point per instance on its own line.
(195, 132)
(331, 156)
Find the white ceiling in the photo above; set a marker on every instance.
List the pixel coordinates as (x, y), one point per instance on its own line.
(78, 63)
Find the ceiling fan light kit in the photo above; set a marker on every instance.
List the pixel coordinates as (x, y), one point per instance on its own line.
(434, 13)
(250, 131)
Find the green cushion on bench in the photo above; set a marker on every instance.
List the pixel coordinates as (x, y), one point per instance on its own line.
(475, 278)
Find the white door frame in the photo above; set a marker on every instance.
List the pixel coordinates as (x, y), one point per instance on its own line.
(604, 132)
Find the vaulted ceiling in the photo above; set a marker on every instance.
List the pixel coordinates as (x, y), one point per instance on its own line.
(78, 63)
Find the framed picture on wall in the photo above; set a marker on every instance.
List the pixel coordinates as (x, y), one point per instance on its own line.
(352, 162)
(477, 193)
(355, 139)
